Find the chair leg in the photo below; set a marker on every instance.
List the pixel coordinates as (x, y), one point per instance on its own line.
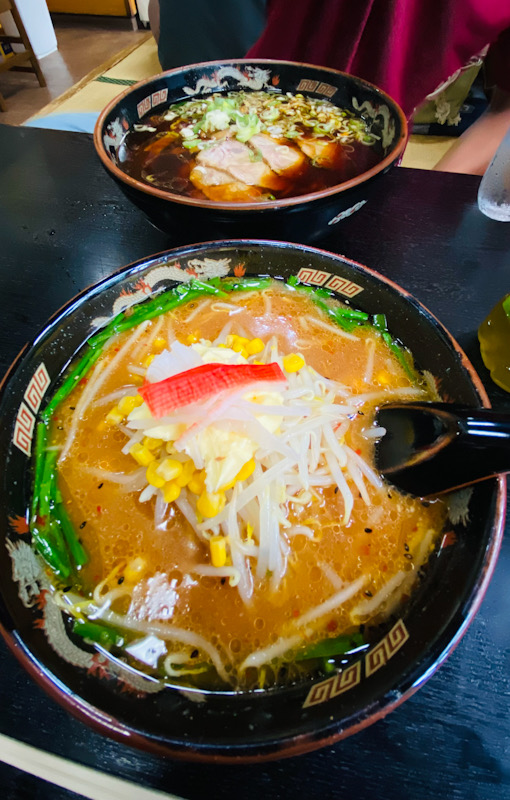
(38, 71)
(27, 44)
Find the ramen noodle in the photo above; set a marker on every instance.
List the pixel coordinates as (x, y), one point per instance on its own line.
(223, 524)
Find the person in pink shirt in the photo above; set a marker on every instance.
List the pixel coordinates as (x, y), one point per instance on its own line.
(407, 48)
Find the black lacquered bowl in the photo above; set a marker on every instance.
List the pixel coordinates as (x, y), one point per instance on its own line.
(227, 726)
(304, 218)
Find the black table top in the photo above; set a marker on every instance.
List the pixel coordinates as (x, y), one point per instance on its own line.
(63, 226)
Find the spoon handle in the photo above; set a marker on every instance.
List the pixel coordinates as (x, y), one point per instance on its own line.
(435, 447)
(484, 435)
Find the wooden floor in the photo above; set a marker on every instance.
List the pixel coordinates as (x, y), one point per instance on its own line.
(84, 43)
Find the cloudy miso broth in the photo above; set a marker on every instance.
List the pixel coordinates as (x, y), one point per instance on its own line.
(217, 462)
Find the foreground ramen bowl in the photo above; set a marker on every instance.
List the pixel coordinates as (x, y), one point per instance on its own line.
(303, 218)
(263, 724)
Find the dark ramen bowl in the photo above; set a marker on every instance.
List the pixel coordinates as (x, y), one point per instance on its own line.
(302, 218)
(263, 724)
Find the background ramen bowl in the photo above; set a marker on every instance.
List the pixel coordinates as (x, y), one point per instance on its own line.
(228, 726)
(301, 219)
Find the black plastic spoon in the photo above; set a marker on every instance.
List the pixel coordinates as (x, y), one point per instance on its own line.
(430, 448)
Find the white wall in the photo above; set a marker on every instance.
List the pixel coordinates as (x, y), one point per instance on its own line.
(38, 25)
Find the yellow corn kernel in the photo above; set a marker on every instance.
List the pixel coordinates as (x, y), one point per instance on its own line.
(191, 338)
(135, 569)
(383, 377)
(255, 346)
(141, 454)
(127, 404)
(246, 470)
(244, 473)
(152, 444)
(114, 417)
(249, 531)
(237, 347)
(210, 503)
(188, 468)
(152, 475)
(196, 484)
(149, 359)
(159, 343)
(293, 362)
(171, 491)
(169, 469)
(218, 547)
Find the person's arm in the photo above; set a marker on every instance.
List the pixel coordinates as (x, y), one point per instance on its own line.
(153, 11)
(473, 151)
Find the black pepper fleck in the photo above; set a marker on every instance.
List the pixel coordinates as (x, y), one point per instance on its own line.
(368, 593)
(83, 524)
(368, 530)
(408, 555)
(406, 547)
(194, 654)
(100, 486)
(120, 580)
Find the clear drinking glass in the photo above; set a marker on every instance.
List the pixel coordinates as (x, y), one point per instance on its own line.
(494, 190)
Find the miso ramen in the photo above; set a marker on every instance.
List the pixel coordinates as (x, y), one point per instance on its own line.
(249, 146)
(207, 498)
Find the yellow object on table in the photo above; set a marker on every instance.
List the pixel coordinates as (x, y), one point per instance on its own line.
(494, 337)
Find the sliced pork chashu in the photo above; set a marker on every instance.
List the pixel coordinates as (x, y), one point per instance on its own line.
(285, 159)
(322, 153)
(239, 160)
(220, 186)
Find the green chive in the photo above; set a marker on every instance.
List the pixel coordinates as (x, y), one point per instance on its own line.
(379, 322)
(52, 550)
(47, 486)
(335, 646)
(97, 633)
(70, 382)
(76, 549)
(41, 438)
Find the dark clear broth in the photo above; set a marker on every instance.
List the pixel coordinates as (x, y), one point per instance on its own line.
(157, 154)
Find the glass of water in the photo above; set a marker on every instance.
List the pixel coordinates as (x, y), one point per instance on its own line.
(494, 190)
